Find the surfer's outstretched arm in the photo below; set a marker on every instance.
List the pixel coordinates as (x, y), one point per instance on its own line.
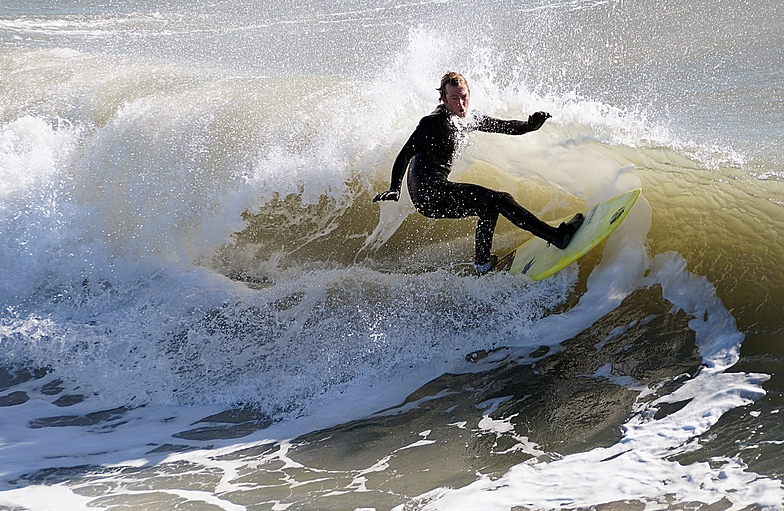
(512, 127)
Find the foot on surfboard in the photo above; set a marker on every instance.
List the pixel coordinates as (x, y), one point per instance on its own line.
(565, 231)
(487, 267)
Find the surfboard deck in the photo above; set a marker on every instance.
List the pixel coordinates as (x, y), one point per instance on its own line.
(539, 261)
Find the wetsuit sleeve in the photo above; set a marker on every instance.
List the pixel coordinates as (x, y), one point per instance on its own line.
(509, 127)
(410, 149)
(401, 163)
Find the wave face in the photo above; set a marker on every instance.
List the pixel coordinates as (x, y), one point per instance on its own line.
(202, 307)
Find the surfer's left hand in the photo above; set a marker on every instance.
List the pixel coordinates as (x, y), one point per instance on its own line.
(536, 120)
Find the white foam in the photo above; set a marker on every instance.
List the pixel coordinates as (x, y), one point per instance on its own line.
(641, 466)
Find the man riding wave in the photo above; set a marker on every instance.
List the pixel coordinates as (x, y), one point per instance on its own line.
(428, 155)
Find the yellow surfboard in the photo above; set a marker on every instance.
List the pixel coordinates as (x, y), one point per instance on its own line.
(539, 261)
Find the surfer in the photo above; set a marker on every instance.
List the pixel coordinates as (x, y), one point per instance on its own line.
(428, 155)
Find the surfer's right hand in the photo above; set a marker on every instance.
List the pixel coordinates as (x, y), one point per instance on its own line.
(388, 195)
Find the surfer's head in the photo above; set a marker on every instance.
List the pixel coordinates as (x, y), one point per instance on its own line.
(455, 94)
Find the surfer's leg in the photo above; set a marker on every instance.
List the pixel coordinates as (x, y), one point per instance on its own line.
(446, 199)
(484, 241)
(524, 219)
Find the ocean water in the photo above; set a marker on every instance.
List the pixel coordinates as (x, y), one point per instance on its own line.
(203, 310)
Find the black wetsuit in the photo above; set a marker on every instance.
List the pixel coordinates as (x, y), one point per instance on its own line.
(428, 157)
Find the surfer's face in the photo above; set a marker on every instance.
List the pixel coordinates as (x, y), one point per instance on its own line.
(456, 99)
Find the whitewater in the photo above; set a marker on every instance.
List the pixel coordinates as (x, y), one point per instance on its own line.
(202, 309)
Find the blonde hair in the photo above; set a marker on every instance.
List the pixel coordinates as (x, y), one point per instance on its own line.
(453, 79)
